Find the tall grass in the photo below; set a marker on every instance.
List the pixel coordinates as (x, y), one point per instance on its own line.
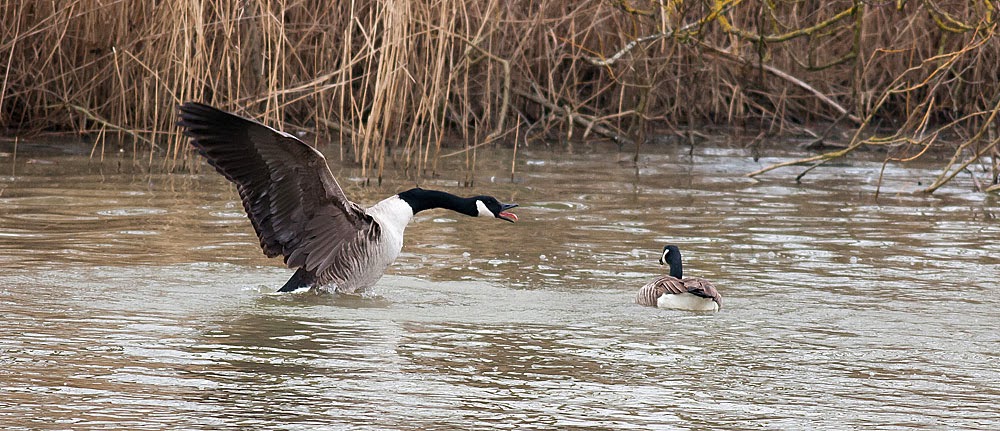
(392, 81)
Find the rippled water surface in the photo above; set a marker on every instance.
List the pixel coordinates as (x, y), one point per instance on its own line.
(142, 302)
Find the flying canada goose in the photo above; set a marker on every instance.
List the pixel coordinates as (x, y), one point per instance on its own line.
(299, 210)
(675, 291)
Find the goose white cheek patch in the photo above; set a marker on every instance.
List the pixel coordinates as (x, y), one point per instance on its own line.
(483, 211)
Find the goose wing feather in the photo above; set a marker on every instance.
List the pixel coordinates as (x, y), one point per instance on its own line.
(703, 288)
(649, 293)
(294, 202)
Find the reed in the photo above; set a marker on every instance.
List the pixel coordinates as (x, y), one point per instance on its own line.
(393, 82)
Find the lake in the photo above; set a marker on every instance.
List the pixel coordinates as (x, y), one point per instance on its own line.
(142, 301)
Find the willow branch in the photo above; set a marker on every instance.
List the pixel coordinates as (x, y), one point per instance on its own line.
(787, 77)
(728, 28)
(945, 21)
(635, 42)
(949, 177)
(584, 120)
(899, 86)
(945, 176)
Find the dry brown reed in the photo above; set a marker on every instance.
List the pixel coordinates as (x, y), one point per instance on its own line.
(390, 81)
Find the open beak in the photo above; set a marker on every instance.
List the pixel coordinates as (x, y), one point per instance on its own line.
(511, 217)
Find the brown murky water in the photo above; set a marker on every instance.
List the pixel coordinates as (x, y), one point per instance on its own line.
(142, 302)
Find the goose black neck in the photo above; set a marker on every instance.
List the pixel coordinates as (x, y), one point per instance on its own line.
(674, 261)
(420, 200)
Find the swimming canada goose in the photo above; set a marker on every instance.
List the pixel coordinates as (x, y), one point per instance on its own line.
(675, 291)
(299, 210)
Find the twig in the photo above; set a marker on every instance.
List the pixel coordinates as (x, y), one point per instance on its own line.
(943, 178)
(581, 119)
(787, 77)
(110, 125)
(471, 147)
(798, 178)
(728, 28)
(942, 181)
(629, 46)
(939, 16)
(898, 86)
(335, 125)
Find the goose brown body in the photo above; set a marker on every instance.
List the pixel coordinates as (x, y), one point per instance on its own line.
(676, 291)
(652, 292)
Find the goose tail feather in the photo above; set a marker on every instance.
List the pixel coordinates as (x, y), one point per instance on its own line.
(301, 279)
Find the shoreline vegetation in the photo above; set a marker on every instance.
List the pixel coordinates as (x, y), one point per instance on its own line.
(408, 82)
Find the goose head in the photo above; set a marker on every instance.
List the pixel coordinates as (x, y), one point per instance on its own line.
(489, 206)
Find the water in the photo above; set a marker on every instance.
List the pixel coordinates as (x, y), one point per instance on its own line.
(137, 301)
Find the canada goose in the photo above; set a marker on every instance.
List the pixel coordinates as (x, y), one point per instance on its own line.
(675, 291)
(299, 210)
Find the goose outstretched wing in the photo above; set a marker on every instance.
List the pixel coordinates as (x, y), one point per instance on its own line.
(292, 199)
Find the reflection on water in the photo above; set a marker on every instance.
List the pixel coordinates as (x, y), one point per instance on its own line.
(135, 301)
